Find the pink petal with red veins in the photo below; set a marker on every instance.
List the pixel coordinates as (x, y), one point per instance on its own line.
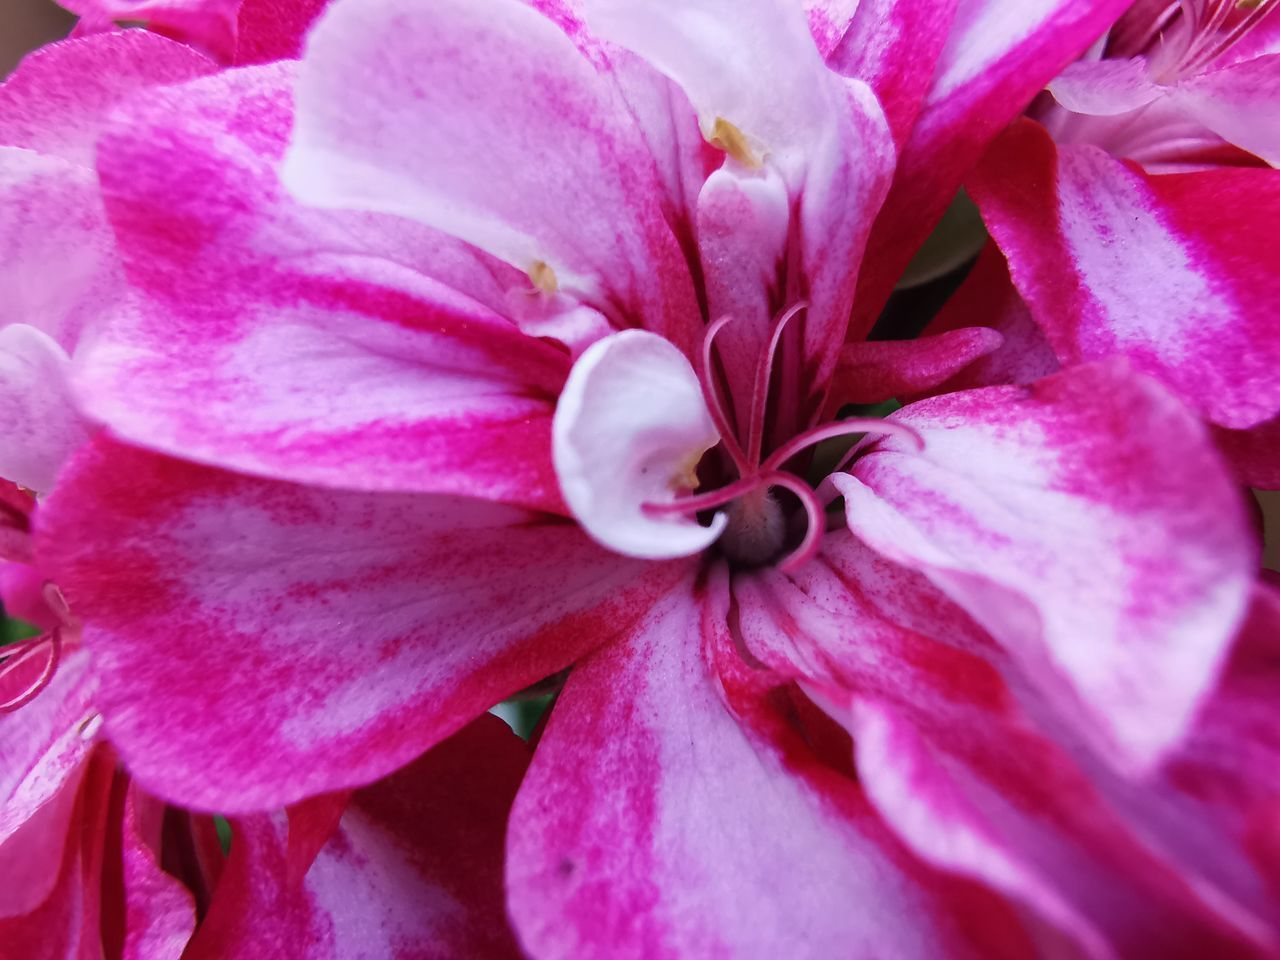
(999, 55)
(208, 25)
(1090, 483)
(484, 120)
(268, 30)
(352, 631)
(159, 911)
(893, 46)
(58, 100)
(1238, 103)
(656, 820)
(415, 868)
(1173, 272)
(312, 823)
(44, 749)
(961, 758)
(1105, 88)
(872, 371)
(988, 297)
(401, 375)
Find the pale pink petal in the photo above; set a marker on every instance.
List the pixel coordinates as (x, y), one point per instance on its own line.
(356, 351)
(1239, 104)
(44, 751)
(952, 751)
(1114, 262)
(415, 868)
(351, 630)
(59, 99)
(988, 297)
(1105, 88)
(629, 430)
(1093, 482)
(871, 371)
(159, 911)
(40, 423)
(999, 55)
(481, 118)
(668, 801)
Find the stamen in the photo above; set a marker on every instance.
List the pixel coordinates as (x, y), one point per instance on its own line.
(727, 137)
(705, 501)
(816, 517)
(841, 429)
(712, 397)
(760, 391)
(543, 277)
(16, 655)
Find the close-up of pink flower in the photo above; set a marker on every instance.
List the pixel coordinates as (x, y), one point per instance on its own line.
(410, 360)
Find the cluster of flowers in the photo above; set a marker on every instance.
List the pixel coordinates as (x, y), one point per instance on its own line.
(368, 362)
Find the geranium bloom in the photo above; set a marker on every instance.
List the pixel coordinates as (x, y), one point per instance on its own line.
(1137, 220)
(534, 379)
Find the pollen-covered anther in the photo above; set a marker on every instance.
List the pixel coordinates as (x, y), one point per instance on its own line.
(727, 137)
(543, 277)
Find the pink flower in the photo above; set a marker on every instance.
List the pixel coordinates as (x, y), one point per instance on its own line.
(448, 429)
(1137, 219)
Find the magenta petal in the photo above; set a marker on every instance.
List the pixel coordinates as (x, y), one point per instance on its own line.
(415, 868)
(58, 100)
(1093, 482)
(401, 375)
(1239, 104)
(268, 30)
(159, 911)
(44, 751)
(871, 371)
(999, 55)
(351, 631)
(988, 297)
(656, 820)
(1253, 453)
(1174, 272)
(208, 25)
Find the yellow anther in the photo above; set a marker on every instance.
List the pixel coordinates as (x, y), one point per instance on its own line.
(727, 137)
(685, 477)
(543, 277)
(1248, 4)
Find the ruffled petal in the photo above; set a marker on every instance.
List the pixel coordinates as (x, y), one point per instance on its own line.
(348, 632)
(872, 371)
(1173, 271)
(667, 797)
(1093, 483)
(208, 25)
(416, 865)
(1239, 104)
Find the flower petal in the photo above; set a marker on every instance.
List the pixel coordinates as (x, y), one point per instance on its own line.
(657, 817)
(872, 371)
(1105, 88)
(999, 55)
(401, 375)
(1173, 271)
(208, 25)
(352, 630)
(59, 98)
(1238, 103)
(1090, 483)
(482, 119)
(416, 865)
(41, 424)
(629, 430)
(159, 911)
(268, 30)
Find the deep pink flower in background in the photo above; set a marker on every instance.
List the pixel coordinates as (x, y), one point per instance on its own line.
(1137, 220)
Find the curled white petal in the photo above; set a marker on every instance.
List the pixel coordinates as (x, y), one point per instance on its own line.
(629, 429)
